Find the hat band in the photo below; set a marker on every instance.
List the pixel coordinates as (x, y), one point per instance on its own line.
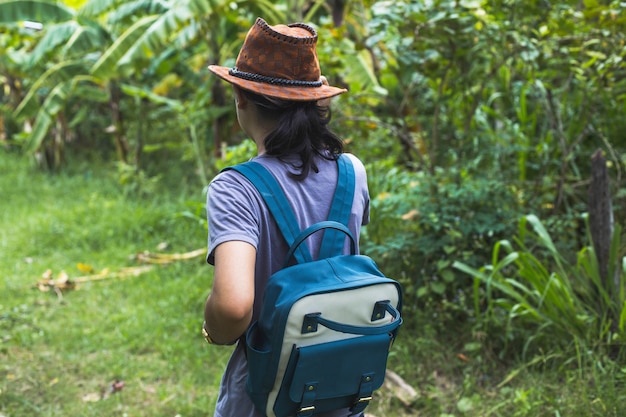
(248, 76)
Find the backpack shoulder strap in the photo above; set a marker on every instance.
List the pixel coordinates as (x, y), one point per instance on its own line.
(276, 202)
(340, 209)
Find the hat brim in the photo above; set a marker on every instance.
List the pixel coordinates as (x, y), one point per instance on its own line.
(278, 91)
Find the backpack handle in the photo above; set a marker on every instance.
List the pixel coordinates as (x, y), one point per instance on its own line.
(328, 224)
(312, 320)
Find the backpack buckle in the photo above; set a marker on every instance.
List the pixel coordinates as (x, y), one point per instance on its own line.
(307, 407)
(365, 394)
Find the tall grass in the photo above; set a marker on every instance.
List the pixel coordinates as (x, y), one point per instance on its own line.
(537, 298)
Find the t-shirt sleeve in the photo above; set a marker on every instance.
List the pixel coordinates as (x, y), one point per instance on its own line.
(232, 212)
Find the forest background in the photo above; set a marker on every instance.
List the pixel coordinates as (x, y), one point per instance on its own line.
(482, 124)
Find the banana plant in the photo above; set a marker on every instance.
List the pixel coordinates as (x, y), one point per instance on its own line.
(101, 47)
(210, 27)
(12, 64)
(62, 54)
(13, 11)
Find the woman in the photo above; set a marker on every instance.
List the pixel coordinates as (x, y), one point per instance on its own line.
(282, 104)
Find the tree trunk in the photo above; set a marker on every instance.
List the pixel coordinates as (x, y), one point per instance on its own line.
(600, 213)
(218, 99)
(121, 145)
(601, 226)
(140, 131)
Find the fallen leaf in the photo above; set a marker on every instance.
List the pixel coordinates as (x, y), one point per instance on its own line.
(92, 397)
(166, 258)
(114, 387)
(411, 215)
(85, 268)
(63, 281)
(117, 386)
(63, 278)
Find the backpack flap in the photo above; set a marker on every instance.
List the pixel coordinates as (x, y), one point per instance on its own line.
(312, 381)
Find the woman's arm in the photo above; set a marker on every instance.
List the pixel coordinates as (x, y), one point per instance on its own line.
(228, 309)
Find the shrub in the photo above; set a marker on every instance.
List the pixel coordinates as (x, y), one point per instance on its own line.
(421, 223)
(531, 298)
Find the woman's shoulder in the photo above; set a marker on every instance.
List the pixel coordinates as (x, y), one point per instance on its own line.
(359, 169)
(230, 185)
(225, 178)
(358, 164)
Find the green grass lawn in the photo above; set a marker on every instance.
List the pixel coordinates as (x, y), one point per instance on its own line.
(62, 353)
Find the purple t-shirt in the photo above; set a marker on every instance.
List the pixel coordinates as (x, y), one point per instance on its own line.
(236, 211)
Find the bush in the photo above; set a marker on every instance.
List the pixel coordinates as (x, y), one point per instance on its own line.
(421, 224)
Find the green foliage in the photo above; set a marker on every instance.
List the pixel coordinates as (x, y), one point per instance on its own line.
(237, 154)
(527, 90)
(135, 181)
(421, 223)
(532, 298)
(467, 114)
(34, 10)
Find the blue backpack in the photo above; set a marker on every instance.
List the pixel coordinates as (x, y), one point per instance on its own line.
(323, 335)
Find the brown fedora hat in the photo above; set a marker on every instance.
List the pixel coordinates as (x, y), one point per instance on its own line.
(279, 61)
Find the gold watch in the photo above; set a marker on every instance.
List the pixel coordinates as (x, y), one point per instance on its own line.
(206, 335)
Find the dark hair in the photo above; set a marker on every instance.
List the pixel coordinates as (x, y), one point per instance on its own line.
(302, 129)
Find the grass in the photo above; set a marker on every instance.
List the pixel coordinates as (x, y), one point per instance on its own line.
(60, 354)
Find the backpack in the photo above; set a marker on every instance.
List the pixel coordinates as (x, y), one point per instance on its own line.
(323, 335)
